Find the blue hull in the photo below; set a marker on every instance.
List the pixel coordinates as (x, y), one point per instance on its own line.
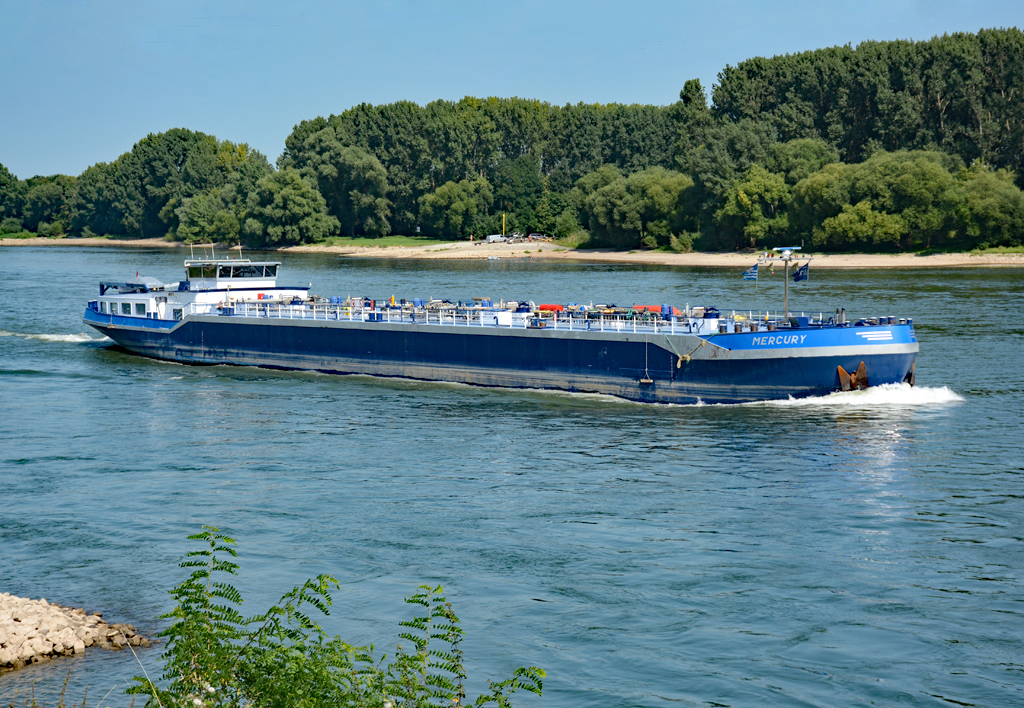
(728, 368)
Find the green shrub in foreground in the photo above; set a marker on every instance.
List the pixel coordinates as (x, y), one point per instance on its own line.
(281, 657)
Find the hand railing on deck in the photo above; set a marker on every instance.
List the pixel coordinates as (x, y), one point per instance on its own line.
(502, 319)
(459, 317)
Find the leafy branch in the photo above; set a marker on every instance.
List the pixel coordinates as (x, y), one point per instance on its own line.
(282, 657)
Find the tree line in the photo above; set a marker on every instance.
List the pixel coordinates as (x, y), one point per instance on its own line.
(884, 146)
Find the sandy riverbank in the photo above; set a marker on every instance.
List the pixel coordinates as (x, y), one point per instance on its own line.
(111, 242)
(550, 251)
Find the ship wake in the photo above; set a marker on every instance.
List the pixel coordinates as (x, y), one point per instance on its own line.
(61, 338)
(881, 396)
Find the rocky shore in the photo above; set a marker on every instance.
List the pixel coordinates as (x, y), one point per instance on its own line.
(34, 630)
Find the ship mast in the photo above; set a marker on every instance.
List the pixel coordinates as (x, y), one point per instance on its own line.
(786, 255)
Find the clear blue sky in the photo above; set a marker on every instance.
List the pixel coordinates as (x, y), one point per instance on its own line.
(83, 80)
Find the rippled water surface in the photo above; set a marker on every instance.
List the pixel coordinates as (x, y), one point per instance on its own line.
(859, 549)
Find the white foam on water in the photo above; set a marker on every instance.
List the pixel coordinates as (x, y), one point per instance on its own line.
(881, 396)
(71, 338)
(583, 396)
(65, 338)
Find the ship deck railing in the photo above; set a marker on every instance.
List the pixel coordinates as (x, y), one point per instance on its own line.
(505, 319)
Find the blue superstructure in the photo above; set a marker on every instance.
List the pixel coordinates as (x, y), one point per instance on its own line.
(646, 354)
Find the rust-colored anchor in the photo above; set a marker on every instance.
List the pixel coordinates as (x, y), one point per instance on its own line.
(854, 381)
(910, 378)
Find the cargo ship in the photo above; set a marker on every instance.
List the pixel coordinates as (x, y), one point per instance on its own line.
(233, 311)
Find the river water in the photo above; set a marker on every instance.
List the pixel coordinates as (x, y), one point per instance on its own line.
(859, 549)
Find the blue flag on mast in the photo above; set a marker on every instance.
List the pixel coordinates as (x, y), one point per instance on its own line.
(802, 273)
(750, 273)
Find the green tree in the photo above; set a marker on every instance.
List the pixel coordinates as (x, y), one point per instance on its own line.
(574, 147)
(11, 194)
(47, 202)
(728, 151)
(94, 208)
(860, 227)
(693, 119)
(919, 188)
(959, 92)
(995, 206)
(243, 168)
(209, 217)
(817, 197)
(396, 134)
(352, 181)
(295, 143)
(639, 210)
(141, 192)
(519, 188)
(567, 224)
(285, 210)
(915, 186)
(521, 125)
(636, 137)
(754, 212)
(424, 147)
(129, 193)
(798, 159)
(593, 181)
(166, 168)
(455, 209)
(576, 209)
(544, 216)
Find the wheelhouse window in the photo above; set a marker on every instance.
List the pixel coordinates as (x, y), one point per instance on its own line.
(126, 308)
(233, 270)
(103, 306)
(247, 271)
(202, 271)
(140, 309)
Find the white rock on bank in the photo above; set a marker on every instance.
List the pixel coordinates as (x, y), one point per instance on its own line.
(35, 630)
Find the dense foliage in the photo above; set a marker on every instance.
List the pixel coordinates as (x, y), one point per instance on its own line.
(284, 208)
(959, 93)
(884, 146)
(281, 658)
